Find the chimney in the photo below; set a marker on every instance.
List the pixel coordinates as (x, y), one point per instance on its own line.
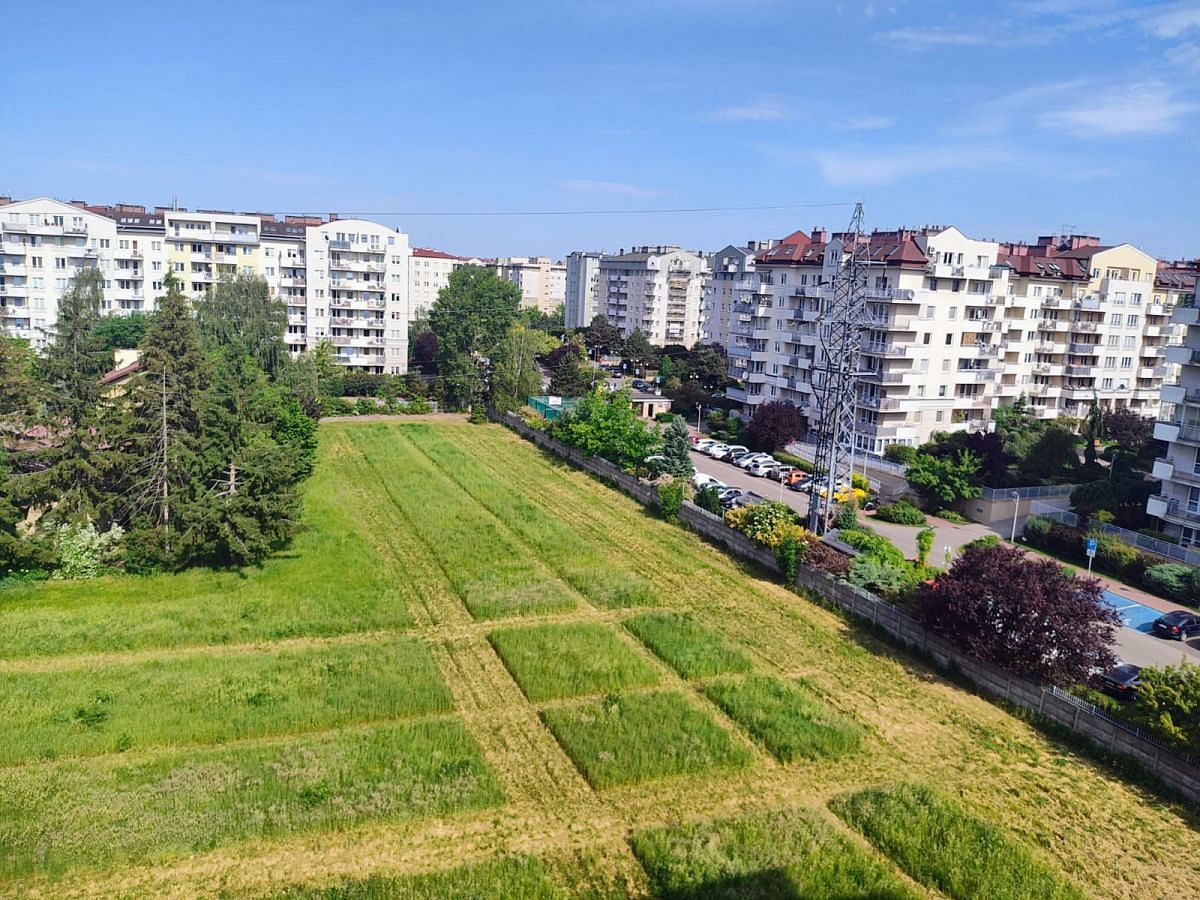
(333, 217)
(819, 235)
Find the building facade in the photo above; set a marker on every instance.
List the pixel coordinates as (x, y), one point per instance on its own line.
(955, 328)
(581, 303)
(656, 290)
(345, 281)
(543, 283)
(429, 271)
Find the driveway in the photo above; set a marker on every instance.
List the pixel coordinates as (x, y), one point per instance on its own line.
(735, 477)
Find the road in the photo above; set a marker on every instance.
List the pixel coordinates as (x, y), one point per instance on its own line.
(1131, 645)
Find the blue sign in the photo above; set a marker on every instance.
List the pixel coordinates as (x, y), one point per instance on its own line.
(1091, 547)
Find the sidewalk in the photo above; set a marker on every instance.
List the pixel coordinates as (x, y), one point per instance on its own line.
(946, 534)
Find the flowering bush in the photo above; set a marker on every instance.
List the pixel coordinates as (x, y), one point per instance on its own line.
(85, 552)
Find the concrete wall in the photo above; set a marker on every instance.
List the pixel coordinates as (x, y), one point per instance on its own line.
(1175, 771)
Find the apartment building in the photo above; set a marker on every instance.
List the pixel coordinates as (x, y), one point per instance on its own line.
(345, 281)
(543, 283)
(1177, 503)
(731, 277)
(581, 303)
(429, 271)
(956, 327)
(657, 290)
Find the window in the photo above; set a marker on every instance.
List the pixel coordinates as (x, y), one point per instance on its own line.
(941, 392)
(945, 365)
(1106, 384)
(926, 336)
(1117, 319)
(1135, 299)
(1110, 362)
(1132, 320)
(1113, 340)
(940, 415)
(1028, 357)
(1037, 290)
(35, 262)
(949, 339)
(953, 312)
(60, 262)
(1126, 362)
(1130, 341)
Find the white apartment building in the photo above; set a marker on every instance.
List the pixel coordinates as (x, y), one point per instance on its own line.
(429, 272)
(731, 280)
(957, 327)
(543, 283)
(581, 303)
(345, 281)
(657, 290)
(1177, 505)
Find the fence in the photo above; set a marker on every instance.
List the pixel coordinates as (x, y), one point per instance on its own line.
(1153, 545)
(1180, 771)
(1028, 493)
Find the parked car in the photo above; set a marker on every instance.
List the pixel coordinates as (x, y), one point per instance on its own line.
(732, 452)
(1121, 681)
(804, 483)
(764, 468)
(783, 473)
(715, 450)
(730, 496)
(700, 481)
(796, 475)
(703, 444)
(746, 460)
(749, 498)
(640, 384)
(1178, 625)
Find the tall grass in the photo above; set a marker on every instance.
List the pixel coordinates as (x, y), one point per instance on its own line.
(208, 698)
(503, 879)
(492, 574)
(330, 581)
(687, 646)
(636, 737)
(787, 720)
(602, 574)
(790, 853)
(942, 846)
(158, 805)
(550, 661)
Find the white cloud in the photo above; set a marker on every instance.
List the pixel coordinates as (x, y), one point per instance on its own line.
(608, 187)
(867, 122)
(1147, 107)
(889, 165)
(1186, 56)
(986, 35)
(1171, 22)
(763, 110)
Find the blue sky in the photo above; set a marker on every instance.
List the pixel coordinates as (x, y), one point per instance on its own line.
(1009, 119)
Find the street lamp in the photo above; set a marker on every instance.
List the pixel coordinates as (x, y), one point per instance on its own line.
(1016, 496)
(699, 407)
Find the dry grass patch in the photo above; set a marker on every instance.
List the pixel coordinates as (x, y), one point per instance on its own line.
(637, 737)
(503, 879)
(552, 661)
(687, 646)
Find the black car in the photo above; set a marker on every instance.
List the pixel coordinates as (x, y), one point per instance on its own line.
(1178, 625)
(1121, 681)
(642, 385)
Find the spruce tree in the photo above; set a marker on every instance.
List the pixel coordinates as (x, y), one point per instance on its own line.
(676, 447)
(69, 472)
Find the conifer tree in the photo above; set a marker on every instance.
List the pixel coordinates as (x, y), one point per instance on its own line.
(676, 447)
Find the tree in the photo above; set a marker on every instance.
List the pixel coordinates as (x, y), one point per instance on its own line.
(638, 350)
(602, 336)
(1024, 614)
(604, 424)
(1051, 455)
(942, 481)
(676, 448)
(470, 317)
(1168, 703)
(1129, 430)
(515, 375)
(1093, 430)
(122, 332)
(567, 376)
(70, 474)
(240, 316)
(775, 424)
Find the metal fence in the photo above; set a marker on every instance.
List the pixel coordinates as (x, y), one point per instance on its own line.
(1028, 493)
(1162, 548)
(1124, 724)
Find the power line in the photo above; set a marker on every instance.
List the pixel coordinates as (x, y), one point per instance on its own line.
(598, 212)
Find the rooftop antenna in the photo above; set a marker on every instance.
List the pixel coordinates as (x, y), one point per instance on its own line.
(835, 377)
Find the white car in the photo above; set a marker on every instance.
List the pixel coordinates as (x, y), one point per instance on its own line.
(703, 445)
(753, 459)
(700, 481)
(764, 468)
(715, 450)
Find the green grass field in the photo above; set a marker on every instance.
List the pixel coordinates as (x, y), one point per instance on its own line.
(786, 719)
(940, 845)
(340, 719)
(552, 661)
(687, 646)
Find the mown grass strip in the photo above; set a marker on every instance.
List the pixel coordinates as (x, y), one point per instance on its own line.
(687, 646)
(503, 879)
(791, 853)
(944, 847)
(637, 737)
(492, 573)
(568, 660)
(330, 581)
(208, 698)
(127, 810)
(605, 578)
(790, 722)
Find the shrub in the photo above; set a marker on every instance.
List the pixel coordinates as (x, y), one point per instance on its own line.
(1158, 535)
(420, 406)
(900, 513)
(364, 406)
(924, 545)
(988, 540)
(709, 499)
(1168, 704)
(760, 520)
(478, 415)
(828, 560)
(951, 516)
(84, 552)
(847, 517)
(1113, 555)
(665, 417)
(874, 546)
(1104, 516)
(860, 482)
(1172, 580)
(788, 553)
(899, 453)
(887, 579)
(798, 461)
(1036, 530)
(670, 499)
(336, 406)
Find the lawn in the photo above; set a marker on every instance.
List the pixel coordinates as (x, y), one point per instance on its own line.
(687, 646)
(939, 844)
(787, 853)
(637, 737)
(338, 719)
(786, 719)
(552, 661)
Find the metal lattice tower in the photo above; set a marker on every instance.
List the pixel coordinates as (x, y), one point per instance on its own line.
(835, 377)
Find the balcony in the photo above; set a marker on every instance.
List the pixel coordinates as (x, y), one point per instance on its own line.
(234, 237)
(1153, 352)
(884, 403)
(1053, 325)
(982, 350)
(1084, 349)
(1085, 327)
(1051, 348)
(976, 375)
(1185, 315)
(1173, 509)
(1087, 303)
(1175, 431)
(1053, 302)
(1045, 368)
(880, 348)
(1082, 371)
(1153, 331)
(738, 351)
(887, 293)
(1182, 355)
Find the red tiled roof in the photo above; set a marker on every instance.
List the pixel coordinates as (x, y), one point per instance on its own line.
(1065, 267)
(433, 254)
(121, 373)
